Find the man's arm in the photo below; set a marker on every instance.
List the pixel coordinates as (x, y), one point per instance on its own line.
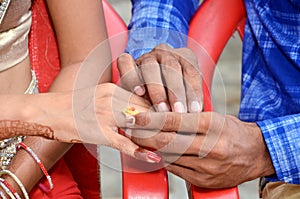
(156, 22)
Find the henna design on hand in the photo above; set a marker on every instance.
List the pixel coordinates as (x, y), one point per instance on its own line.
(13, 128)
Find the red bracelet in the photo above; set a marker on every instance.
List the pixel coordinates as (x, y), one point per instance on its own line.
(38, 161)
(9, 189)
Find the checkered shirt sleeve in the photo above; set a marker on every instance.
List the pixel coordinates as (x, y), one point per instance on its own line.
(159, 21)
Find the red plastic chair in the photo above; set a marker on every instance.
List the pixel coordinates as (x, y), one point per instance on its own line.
(211, 27)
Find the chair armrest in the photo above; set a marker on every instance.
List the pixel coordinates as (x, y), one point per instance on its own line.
(210, 29)
(139, 179)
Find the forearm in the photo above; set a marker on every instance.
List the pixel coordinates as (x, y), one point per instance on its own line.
(71, 18)
(282, 139)
(34, 115)
(27, 169)
(169, 25)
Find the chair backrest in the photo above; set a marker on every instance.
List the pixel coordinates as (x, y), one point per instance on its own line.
(210, 29)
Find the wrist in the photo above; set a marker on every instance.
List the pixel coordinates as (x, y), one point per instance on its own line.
(50, 114)
(264, 161)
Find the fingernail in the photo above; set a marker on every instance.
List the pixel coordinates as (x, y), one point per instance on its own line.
(153, 157)
(130, 120)
(201, 106)
(139, 90)
(195, 106)
(128, 133)
(162, 107)
(145, 155)
(179, 107)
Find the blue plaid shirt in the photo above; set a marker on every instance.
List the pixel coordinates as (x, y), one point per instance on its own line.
(270, 73)
(159, 21)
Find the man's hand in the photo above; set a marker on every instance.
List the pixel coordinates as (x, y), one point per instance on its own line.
(210, 149)
(170, 76)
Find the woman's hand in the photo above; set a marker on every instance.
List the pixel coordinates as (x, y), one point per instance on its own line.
(91, 115)
(209, 149)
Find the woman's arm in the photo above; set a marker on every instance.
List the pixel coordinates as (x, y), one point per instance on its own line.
(79, 27)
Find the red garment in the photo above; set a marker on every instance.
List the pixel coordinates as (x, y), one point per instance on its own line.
(64, 185)
(78, 180)
(83, 163)
(79, 177)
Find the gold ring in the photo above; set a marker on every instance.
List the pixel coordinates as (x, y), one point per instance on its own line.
(130, 110)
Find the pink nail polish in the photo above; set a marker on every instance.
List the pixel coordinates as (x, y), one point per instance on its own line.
(153, 156)
(147, 156)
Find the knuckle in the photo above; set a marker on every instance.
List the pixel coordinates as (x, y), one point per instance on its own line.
(187, 53)
(147, 58)
(171, 122)
(188, 56)
(162, 49)
(163, 46)
(130, 79)
(192, 72)
(142, 120)
(163, 139)
(171, 64)
(124, 58)
(214, 170)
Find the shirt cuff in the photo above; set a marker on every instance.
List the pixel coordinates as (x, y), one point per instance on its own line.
(282, 137)
(143, 40)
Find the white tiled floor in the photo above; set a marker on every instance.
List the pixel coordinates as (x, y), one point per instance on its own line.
(226, 93)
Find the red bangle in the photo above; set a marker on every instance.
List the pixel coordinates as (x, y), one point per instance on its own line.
(9, 189)
(38, 161)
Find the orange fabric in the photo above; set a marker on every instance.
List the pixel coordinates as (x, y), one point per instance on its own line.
(64, 185)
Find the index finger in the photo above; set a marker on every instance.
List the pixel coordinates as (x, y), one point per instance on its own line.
(130, 79)
(151, 74)
(192, 79)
